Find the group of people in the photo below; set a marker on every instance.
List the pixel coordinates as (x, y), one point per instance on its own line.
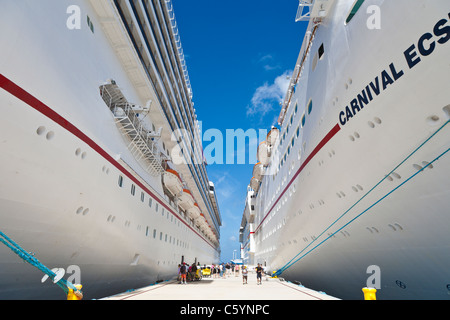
(194, 272)
(259, 272)
(224, 269)
(188, 272)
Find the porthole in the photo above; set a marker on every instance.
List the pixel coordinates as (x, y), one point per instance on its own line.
(427, 164)
(50, 135)
(40, 131)
(303, 120)
(446, 110)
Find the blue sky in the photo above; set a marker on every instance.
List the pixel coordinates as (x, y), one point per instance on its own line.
(238, 54)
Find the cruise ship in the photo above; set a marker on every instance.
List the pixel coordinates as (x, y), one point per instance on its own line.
(103, 180)
(352, 188)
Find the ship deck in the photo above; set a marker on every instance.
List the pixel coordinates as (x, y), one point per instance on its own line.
(229, 288)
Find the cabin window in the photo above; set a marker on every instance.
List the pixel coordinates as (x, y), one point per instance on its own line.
(321, 51)
(309, 106)
(133, 189)
(120, 182)
(90, 24)
(354, 9)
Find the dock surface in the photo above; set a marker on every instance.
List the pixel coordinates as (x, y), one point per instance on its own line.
(229, 288)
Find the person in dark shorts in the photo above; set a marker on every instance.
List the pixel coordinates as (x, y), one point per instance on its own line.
(259, 271)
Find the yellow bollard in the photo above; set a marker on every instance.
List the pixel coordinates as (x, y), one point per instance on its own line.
(369, 293)
(77, 295)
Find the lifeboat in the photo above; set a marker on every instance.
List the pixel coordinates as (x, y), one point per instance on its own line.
(258, 171)
(194, 212)
(186, 200)
(272, 136)
(201, 220)
(172, 181)
(254, 184)
(263, 153)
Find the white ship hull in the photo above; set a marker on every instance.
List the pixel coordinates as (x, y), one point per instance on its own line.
(61, 158)
(367, 187)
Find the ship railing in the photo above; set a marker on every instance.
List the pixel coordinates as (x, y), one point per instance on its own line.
(302, 14)
(173, 24)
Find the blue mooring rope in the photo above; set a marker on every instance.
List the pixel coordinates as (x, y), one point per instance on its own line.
(28, 257)
(292, 261)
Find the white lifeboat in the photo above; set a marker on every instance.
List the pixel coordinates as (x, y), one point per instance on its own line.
(254, 184)
(194, 212)
(201, 220)
(272, 136)
(186, 201)
(263, 153)
(258, 171)
(172, 181)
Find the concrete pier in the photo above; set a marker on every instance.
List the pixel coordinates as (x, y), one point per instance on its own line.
(229, 288)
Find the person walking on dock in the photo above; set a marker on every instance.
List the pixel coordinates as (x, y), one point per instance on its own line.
(183, 272)
(259, 271)
(244, 275)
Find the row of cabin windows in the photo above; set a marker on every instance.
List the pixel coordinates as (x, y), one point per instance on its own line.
(150, 200)
(133, 192)
(167, 238)
(297, 132)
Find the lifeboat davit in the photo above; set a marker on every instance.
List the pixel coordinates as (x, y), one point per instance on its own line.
(194, 212)
(186, 200)
(172, 181)
(263, 153)
(272, 136)
(254, 183)
(258, 171)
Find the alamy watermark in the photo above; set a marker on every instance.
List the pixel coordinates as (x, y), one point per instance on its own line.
(374, 20)
(374, 280)
(73, 270)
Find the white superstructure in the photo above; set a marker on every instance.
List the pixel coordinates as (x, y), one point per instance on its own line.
(356, 189)
(99, 143)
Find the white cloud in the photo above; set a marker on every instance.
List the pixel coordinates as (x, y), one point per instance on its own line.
(268, 62)
(267, 97)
